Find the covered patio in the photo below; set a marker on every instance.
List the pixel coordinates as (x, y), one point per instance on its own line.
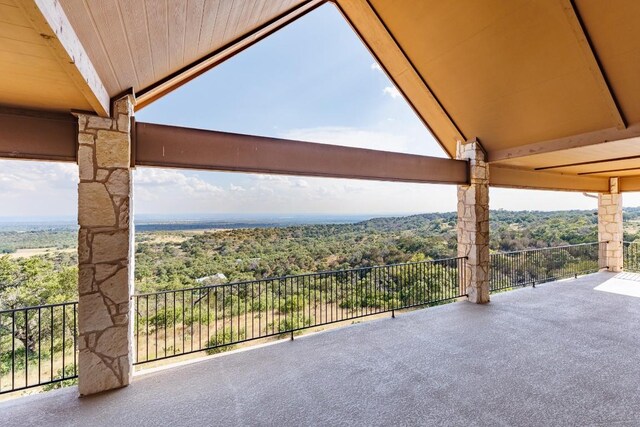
(537, 95)
(563, 353)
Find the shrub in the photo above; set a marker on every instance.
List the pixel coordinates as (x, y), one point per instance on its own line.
(296, 321)
(225, 336)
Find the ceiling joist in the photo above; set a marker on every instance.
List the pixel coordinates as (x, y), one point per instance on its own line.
(637, 168)
(567, 143)
(629, 183)
(522, 178)
(590, 162)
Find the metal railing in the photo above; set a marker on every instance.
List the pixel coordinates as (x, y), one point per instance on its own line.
(631, 256)
(534, 266)
(178, 322)
(38, 346)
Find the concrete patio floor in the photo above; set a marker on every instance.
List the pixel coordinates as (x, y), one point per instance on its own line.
(560, 354)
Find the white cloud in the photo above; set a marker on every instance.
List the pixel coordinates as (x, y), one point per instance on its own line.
(392, 91)
(37, 188)
(376, 66)
(236, 187)
(153, 183)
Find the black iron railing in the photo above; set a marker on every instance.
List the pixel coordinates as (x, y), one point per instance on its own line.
(37, 346)
(631, 256)
(178, 322)
(534, 266)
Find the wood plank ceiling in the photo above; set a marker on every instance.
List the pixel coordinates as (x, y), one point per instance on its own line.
(31, 75)
(136, 43)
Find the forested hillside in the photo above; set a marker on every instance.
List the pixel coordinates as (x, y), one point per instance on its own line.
(174, 259)
(246, 254)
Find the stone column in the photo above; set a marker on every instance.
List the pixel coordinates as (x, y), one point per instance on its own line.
(610, 227)
(473, 222)
(105, 250)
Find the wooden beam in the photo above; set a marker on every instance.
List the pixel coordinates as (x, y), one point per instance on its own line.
(49, 19)
(567, 143)
(589, 162)
(636, 168)
(629, 183)
(522, 178)
(592, 62)
(399, 68)
(186, 74)
(176, 147)
(36, 135)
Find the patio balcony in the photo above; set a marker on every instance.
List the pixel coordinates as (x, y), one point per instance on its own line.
(564, 353)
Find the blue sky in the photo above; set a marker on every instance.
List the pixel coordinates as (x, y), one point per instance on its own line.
(313, 81)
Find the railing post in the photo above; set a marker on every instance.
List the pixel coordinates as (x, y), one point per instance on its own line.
(610, 227)
(473, 222)
(105, 250)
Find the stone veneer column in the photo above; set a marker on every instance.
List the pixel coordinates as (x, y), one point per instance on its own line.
(105, 244)
(610, 227)
(473, 222)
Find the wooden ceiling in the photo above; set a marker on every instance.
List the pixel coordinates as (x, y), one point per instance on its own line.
(539, 83)
(31, 74)
(546, 86)
(140, 43)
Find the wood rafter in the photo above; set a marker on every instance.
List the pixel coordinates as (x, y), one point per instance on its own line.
(522, 178)
(560, 144)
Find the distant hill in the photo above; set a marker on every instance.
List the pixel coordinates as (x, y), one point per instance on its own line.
(511, 230)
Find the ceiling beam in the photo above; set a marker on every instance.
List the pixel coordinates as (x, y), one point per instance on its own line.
(610, 171)
(48, 18)
(592, 62)
(567, 143)
(177, 147)
(629, 183)
(184, 75)
(373, 32)
(589, 162)
(37, 135)
(521, 178)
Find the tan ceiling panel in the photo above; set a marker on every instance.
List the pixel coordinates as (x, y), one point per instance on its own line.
(136, 43)
(615, 34)
(614, 168)
(507, 72)
(31, 76)
(593, 159)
